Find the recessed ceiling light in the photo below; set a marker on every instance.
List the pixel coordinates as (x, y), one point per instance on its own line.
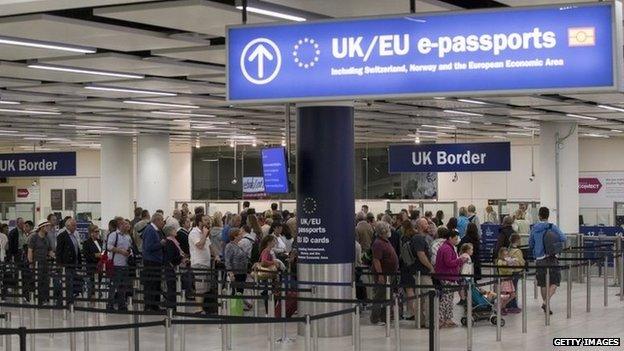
(437, 127)
(468, 101)
(45, 45)
(463, 113)
(152, 103)
(84, 71)
(612, 108)
(581, 117)
(273, 13)
(459, 121)
(29, 112)
(126, 90)
(594, 135)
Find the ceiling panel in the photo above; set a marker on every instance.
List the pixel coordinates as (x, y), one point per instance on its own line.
(110, 104)
(215, 78)
(527, 100)
(79, 32)
(78, 90)
(32, 97)
(133, 64)
(354, 8)
(11, 82)
(20, 70)
(211, 54)
(170, 85)
(606, 98)
(199, 16)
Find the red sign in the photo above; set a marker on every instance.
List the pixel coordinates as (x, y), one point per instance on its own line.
(22, 193)
(589, 185)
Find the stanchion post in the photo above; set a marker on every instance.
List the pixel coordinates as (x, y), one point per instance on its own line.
(7, 338)
(417, 301)
(223, 331)
(432, 319)
(64, 291)
(358, 340)
(315, 323)
(283, 310)
(397, 326)
(52, 310)
(621, 278)
(256, 293)
(353, 297)
(85, 338)
(308, 342)
(569, 292)
(498, 309)
(588, 281)
(535, 288)
(436, 324)
(181, 327)
(228, 327)
(547, 288)
(72, 322)
(130, 330)
(168, 334)
(22, 338)
(469, 316)
(606, 281)
(271, 325)
(33, 323)
(580, 268)
(524, 305)
(388, 297)
(20, 284)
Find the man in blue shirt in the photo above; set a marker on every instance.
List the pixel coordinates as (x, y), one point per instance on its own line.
(536, 244)
(153, 244)
(462, 222)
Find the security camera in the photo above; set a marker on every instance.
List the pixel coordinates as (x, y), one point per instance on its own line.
(34, 183)
(532, 178)
(455, 178)
(234, 181)
(369, 103)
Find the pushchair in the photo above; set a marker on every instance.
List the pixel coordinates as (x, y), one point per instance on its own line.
(483, 307)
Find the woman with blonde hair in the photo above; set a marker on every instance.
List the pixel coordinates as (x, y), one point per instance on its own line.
(521, 225)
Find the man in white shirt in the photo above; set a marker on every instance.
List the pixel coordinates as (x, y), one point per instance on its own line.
(199, 247)
(248, 240)
(119, 249)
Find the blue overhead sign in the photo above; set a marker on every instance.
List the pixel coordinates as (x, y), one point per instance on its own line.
(45, 164)
(275, 170)
(535, 49)
(472, 157)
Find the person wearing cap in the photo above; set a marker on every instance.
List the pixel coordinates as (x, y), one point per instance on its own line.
(39, 250)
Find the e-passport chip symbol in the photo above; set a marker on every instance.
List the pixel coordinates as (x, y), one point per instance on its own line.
(581, 36)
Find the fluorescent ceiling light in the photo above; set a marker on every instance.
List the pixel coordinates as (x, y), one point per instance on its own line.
(468, 101)
(459, 121)
(273, 13)
(463, 113)
(581, 117)
(29, 112)
(6, 102)
(182, 114)
(202, 127)
(85, 126)
(45, 45)
(612, 108)
(242, 137)
(439, 98)
(84, 71)
(101, 131)
(199, 122)
(499, 137)
(520, 134)
(437, 127)
(617, 131)
(133, 91)
(140, 102)
(593, 135)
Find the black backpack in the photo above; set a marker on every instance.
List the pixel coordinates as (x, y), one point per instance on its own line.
(552, 243)
(255, 251)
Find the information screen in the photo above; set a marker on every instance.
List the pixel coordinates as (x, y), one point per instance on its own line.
(274, 168)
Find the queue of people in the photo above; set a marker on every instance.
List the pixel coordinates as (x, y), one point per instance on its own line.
(447, 255)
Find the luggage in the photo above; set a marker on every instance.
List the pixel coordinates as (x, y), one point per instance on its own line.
(291, 305)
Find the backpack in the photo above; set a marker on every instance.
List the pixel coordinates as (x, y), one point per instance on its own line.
(255, 251)
(407, 256)
(552, 244)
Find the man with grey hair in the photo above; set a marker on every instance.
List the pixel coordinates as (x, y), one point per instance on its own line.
(119, 247)
(385, 262)
(153, 244)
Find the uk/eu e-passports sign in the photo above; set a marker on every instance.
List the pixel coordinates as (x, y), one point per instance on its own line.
(468, 157)
(536, 49)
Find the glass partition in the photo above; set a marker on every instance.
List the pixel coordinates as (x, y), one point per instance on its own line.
(508, 208)
(290, 205)
(223, 207)
(449, 208)
(397, 206)
(191, 205)
(88, 211)
(11, 210)
(618, 213)
(597, 216)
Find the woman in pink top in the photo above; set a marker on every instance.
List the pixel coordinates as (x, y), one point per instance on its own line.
(447, 267)
(266, 252)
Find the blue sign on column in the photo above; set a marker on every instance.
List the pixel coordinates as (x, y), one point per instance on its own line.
(45, 164)
(551, 48)
(470, 157)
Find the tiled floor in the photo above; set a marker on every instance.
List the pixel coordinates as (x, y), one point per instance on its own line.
(601, 322)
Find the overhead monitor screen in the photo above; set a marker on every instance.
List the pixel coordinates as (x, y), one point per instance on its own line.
(274, 168)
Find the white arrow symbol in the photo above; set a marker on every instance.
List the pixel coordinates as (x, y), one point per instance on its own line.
(261, 53)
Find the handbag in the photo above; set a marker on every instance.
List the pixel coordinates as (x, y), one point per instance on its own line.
(105, 264)
(236, 307)
(263, 273)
